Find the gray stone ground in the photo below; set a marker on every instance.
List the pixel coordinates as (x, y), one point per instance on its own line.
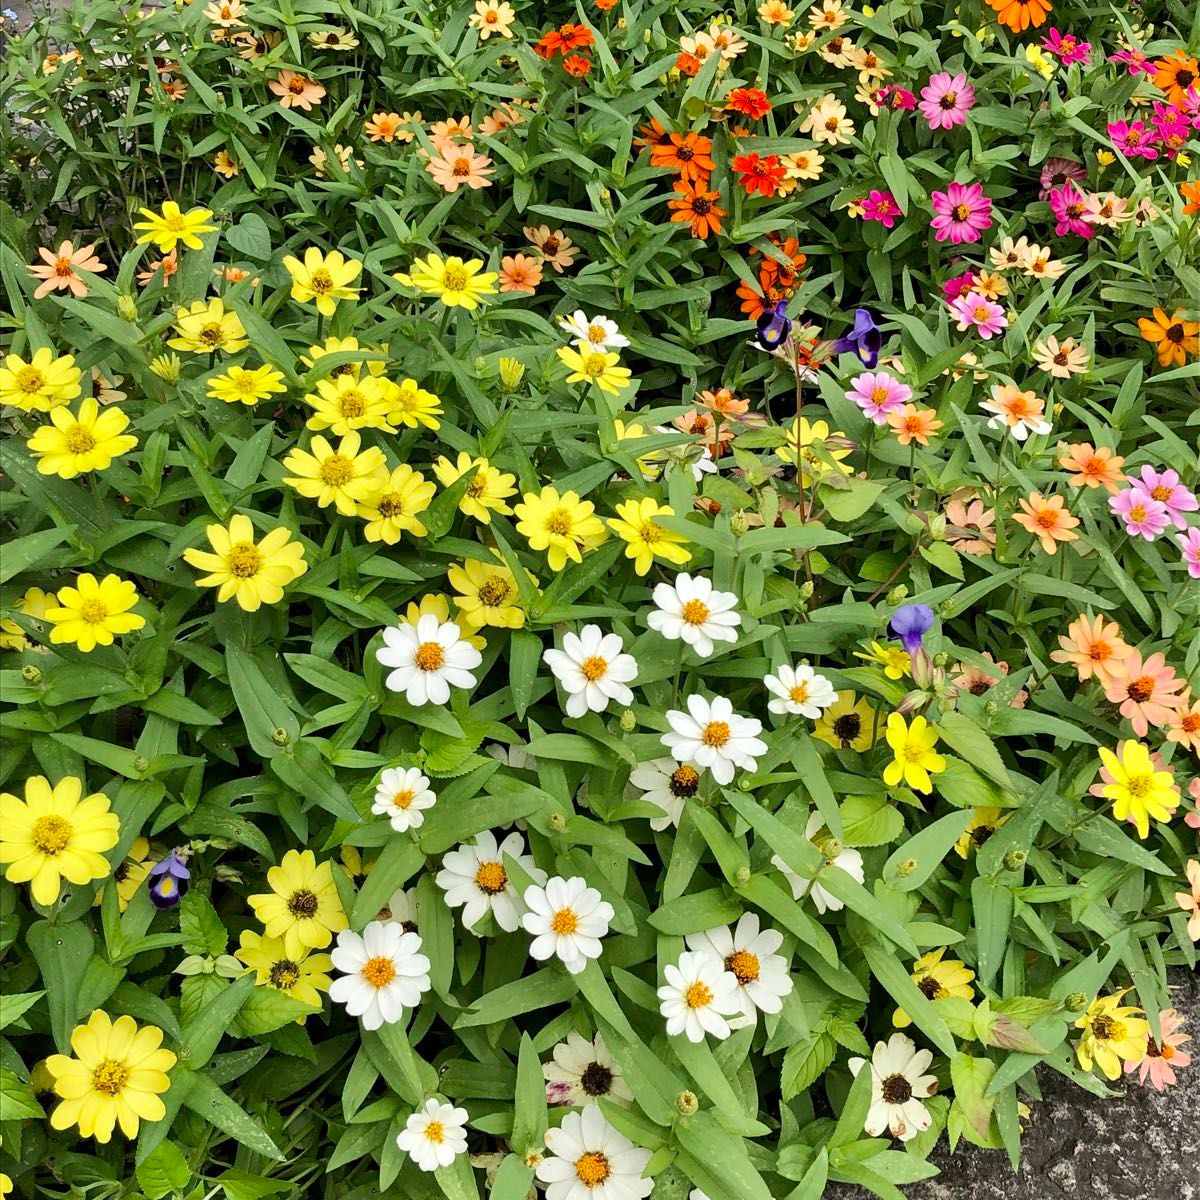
(1138, 1145)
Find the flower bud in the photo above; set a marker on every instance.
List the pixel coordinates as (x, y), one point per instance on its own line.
(480, 363)
(280, 737)
(167, 367)
(1014, 860)
(557, 822)
(806, 591)
(742, 876)
(906, 868)
(512, 371)
(628, 721)
(31, 674)
(1075, 1002)
(141, 763)
(687, 1104)
(739, 523)
(532, 1158)
(897, 595)
(127, 308)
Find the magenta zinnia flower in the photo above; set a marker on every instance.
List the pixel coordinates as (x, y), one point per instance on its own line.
(1069, 208)
(946, 100)
(1189, 543)
(961, 213)
(958, 285)
(1056, 172)
(1164, 487)
(1136, 63)
(1133, 139)
(882, 207)
(898, 98)
(1143, 515)
(987, 317)
(1066, 47)
(878, 393)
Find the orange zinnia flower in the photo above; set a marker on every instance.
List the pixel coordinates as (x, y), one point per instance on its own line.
(563, 40)
(520, 273)
(911, 423)
(1047, 519)
(1019, 15)
(59, 269)
(652, 134)
(1148, 693)
(1175, 74)
(688, 153)
(1173, 337)
(1094, 646)
(1191, 194)
(555, 247)
(1092, 467)
(296, 91)
(383, 127)
(577, 65)
(1183, 726)
(697, 206)
(750, 102)
(688, 64)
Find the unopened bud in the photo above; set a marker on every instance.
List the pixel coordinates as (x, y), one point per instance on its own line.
(141, 763)
(557, 822)
(127, 308)
(739, 523)
(628, 721)
(913, 701)
(742, 876)
(480, 363)
(687, 1104)
(937, 527)
(512, 371)
(1075, 1002)
(532, 1158)
(31, 674)
(806, 590)
(167, 367)
(1014, 860)
(906, 868)
(280, 737)
(897, 595)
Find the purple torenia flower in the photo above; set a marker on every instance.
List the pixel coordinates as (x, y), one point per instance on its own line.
(1164, 487)
(773, 327)
(1143, 515)
(864, 339)
(910, 623)
(169, 881)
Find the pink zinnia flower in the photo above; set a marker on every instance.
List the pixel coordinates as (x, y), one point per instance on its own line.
(1148, 693)
(898, 98)
(1157, 1066)
(1136, 63)
(1192, 819)
(1143, 515)
(958, 285)
(878, 394)
(1172, 128)
(1066, 47)
(1069, 207)
(1057, 171)
(1133, 139)
(946, 100)
(961, 213)
(1190, 544)
(1164, 486)
(985, 315)
(882, 207)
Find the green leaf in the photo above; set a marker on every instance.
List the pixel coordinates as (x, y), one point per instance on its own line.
(203, 1033)
(899, 984)
(163, 1172)
(62, 953)
(211, 1103)
(926, 850)
(529, 1102)
(25, 553)
(203, 931)
(258, 701)
(805, 1062)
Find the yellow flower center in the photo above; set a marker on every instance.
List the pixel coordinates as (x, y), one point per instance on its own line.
(695, 612)
(110, 1077)
(558, 522)
(79, 439)
(491, 17)
(593, 668)
(379, 971)
(698, 995)
(50, 834)
(716, 734)
(92, 611)
(284, 974)
(592, 1169)
(491, 877)
(455, 278)
(403, 799)
(352, 403)
(337, 470)
(744, 965)
(651, 533)
(595, 365)
(495, 592)
(244, 560)
(435, 1132)
(564, 921)
(913, 752)
(1108, 1029)
(429, 656)
(879, 395)
(63, 267)
(1139, 786)
(175, 222)
(477, 486)
(596, 333)
(30, 380)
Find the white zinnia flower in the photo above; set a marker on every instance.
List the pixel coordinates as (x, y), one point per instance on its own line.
(898, 1085)
(592, 670)
(590, 1160)
(384, 973)
(799, 691)
(428, 658)
(593, 333)
(435, 1135)
(402, 909)
(666, 784)
(698, 997)
(474, 879)
(748, 954)
(402, 795)
(689, 610)
(710, 734)
(583, 1072)
(567, 919)
(850, 861)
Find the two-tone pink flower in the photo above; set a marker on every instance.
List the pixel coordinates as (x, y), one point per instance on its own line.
(946, 100)
(961, 213)
(877, 393)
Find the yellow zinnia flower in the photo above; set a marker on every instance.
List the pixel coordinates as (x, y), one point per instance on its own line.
(343, 403)
(487, 491)
(333, 345)
(394, 510)
(252, 573)
(984, 822)
(116, 1077)
(486, 594)
(74, 445)
(168, 228)
(42, 383)
(130, 873)
(36, 604)
(814, 466)
(55, 834)
(650, 464)
(1112, 1034)
(243, 385)
(94, 612)
(453, 281)
(302, 906)
(646, 538)
(323, 278)
(595, 366)
(207, 327)
(560, 525)
(895, 660)
(915, 759)
(303, 978)
(343, 477)
(938, 979)
(412, 405)
(1139, 790)
(847, 724)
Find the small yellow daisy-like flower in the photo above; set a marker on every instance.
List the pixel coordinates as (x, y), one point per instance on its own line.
(560, 525)
(937, 979)
(252, 573)
(94, 612)
(487, 491)
(915, 759)
(394, 510)
(76, 444)
(412, 405)
(985, 820)
(42, 383)
(116, 1077)
(806, 437)
(486, 594)
(36, 604)
(207, 327)
(647, 540)
(895, 660)
(343, 403)
(302, 906)
(345, 477)
(595, 366)
(303, 978)
(323, 278)
(455, 282)
(55, 834)
(847, 724)
(650, 465)
(333, 345)
(1113, 1034)
(171, 226)
(245, 385)
(1139, 790)
(130, 874)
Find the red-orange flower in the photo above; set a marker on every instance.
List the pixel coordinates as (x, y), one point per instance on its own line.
(1191, 195)
(757, 174)
(750, 102)
(697, 206)
(1019, 15)
(652, 134)
(577, 65)
(688, 153)
(563, 40)
(688, 64)
(1175, 74)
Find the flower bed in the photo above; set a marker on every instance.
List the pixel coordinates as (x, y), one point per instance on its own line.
(632, 631)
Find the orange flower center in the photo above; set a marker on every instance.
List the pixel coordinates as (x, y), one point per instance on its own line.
(593, 668)
(491, 877)
(716, 734)
(744, 965)
(698, 995)
(429, 656)
(1141, 689)
(379, 971)
(695, 612)
(592, 1169)
(564, 922)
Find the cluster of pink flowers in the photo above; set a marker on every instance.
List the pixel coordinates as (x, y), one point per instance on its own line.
(1153, 501)
(1169, 129)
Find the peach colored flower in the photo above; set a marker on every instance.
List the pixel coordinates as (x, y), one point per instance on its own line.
(1047, 519)
(452, 127)
(1191, 903)
(913, 424)
(59, 268)
(1092, 466)
(499, 119)
(520, 273)
(384, 127)
(1183, 725)
(1162, 1059)
(460, 166)
(555, 247)
(296, 91)
(1094, 646)
(977, 681)
(1149, 692)
(169, 264)
(971, 524)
